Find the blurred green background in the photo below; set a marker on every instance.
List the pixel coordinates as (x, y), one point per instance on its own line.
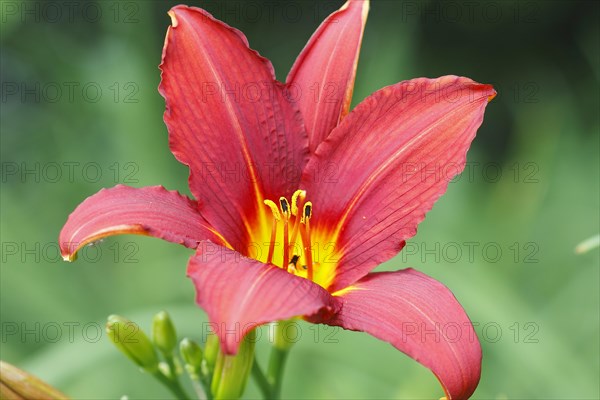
(80, 111)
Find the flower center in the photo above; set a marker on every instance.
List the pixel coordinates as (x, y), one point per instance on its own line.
(295, 219)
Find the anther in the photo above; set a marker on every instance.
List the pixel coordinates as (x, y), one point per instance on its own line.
(298, 194)
(294, 260)
(274, 209)
(291, 267)
(307, 212)
(285, 207)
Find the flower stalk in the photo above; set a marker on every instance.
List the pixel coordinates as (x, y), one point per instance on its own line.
(270, 383)
(279, 354)
(232, 371)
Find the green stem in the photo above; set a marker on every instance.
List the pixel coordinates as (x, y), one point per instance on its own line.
(261, 380)
(201, 392)
(200, 383)
(271, 382)
(173, 385)
(275, 371)
(172, 368)
(205, 381)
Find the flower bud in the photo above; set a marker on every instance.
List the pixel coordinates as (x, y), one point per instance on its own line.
(163, 333)
(132, 341)
(191, 353)
(211, 351)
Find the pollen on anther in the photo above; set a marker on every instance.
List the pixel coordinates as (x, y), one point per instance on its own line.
(297, 194)
(274, 209)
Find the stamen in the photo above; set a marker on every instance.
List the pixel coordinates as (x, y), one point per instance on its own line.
(276, 218)
(285, 210)
(305, 232)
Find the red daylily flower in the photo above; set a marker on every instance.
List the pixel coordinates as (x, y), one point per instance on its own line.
(298, 198)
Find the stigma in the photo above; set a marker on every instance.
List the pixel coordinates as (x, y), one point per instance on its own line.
(292, 220)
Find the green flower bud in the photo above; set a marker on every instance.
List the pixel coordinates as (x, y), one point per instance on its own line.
(191, 353)
(163, 333)
(211, 351)
(132, 341)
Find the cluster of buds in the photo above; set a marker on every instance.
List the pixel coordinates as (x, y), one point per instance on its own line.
(213, 374)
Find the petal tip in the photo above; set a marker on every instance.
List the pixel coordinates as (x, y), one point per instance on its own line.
(493, 95)
(366, 8)
(68, 251)
(173, 17)
(365, 4)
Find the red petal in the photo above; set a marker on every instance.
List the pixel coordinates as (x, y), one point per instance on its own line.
(324, 72)
(240, 293)
(229, 121)
(152, 211)
(420, 317)
(384, 167)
